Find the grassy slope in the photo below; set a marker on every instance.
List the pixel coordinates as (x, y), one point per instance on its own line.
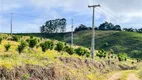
(128, 42)
(12, 59)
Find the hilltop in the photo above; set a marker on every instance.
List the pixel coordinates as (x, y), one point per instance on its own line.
(119, 41)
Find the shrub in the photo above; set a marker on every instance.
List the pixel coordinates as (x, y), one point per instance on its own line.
(81, 51)
(87, 53)
(31, 37)
(7, 47)
(47, 45)
(32, 42)
(0, 40)
(101, 53)
(22, 46)
(15, 38)
(122, 57)
(69, 50)
(27, 40)
(59, 46)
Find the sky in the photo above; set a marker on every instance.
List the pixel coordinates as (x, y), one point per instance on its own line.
(29, 15)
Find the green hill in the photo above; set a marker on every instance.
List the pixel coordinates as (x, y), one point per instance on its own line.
(120, 42)
(57, 63)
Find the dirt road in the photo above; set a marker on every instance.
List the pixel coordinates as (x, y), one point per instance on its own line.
(124, 76)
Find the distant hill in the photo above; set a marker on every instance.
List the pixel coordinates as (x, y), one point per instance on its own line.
(119, 41)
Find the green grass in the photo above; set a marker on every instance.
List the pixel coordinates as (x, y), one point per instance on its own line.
(120, 42)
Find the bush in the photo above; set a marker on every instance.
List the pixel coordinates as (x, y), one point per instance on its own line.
(7, 47)
(31, 37)
(122, 57)
(69, 50)
(0, 40)
(101, 53)
(32, 42)
(59, 46)
(47, 45)
(15, 38)
(22, 46)
(87, 53)
(81, 51)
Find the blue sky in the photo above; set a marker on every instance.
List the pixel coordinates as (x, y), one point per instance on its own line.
(29, 15)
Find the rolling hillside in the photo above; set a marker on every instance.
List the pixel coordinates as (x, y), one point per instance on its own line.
(120, 42)
(35, 64)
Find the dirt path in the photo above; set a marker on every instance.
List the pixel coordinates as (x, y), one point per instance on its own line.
(116, 76)
(132, 76)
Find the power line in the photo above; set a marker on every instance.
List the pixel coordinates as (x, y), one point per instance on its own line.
(111, 15)
(107, 15)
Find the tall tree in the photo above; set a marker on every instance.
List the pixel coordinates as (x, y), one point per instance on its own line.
(54, 26)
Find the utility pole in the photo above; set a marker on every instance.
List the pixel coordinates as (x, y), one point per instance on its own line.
(11, 24)
(1, 3)
(72, 33)
(93, 30)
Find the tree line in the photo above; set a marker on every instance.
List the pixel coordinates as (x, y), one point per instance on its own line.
(133, 30)
(59, 26)
(104, 26)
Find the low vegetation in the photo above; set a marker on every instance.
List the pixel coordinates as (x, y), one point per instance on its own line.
(0, 40)
(22, 46)
(47, 45)
(7, 46)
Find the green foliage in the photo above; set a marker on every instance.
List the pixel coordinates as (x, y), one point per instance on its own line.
(119, 41)
(69, 50)
(26, 76)
(47, 45)
(7, 47)
(101, 53)
(0, 40)
(109, 26)
(53, 26)
(31, 37)
(129, 29)
(81, 51)
(122, 57)
(32, 42)
(59, 46)
(82, 27)
(22, 46)
(106, 44)
(136, 53)
(15, 38)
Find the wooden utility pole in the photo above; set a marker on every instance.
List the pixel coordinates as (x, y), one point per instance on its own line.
(93, 30)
